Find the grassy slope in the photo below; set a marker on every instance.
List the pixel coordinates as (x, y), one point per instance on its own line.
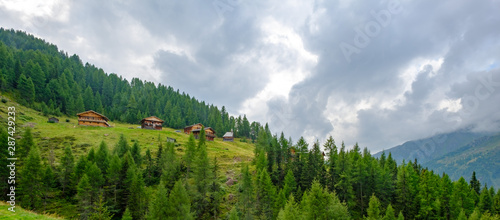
(53, 137)
(21, 213)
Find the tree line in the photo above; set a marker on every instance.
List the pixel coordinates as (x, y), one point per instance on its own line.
(54, 83)
(285, 181)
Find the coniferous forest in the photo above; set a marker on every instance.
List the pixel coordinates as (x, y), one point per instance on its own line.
(285, 179)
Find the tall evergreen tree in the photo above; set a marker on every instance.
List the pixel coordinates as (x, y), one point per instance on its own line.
(475, 184)
(179, 203)
(389, 213)
(265, 196)
(102, 157)
(31, 176)
(100, 211)
(485, 201)
(26, 143)
(374, 208)
(318, 203)
(84, 196)
(159, 206)
(291, 211)
(67, 175)
(246, 194)
(26, 90)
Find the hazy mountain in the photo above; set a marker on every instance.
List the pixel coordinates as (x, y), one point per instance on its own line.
(457, 154)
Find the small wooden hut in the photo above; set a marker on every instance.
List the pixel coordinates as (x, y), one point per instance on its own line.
(228, 136)
(153, 123)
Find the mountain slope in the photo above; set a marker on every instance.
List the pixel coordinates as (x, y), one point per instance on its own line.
(457, 154)
(481, 155)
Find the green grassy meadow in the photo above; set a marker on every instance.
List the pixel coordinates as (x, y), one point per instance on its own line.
(52, 138)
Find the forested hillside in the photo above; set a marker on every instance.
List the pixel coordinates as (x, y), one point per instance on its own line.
(54, 83)
(128, 179)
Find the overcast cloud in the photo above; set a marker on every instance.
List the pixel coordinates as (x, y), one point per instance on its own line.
(374, 72)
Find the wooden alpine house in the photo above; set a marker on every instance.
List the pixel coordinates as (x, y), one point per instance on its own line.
(152, 123)
(92, 118)
(195, 130)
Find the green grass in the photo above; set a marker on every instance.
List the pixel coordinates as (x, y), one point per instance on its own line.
(52, 138)
(22, 214)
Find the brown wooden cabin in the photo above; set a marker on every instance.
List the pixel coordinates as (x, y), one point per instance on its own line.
(92, 118)
(53, 120)
(228, 136)
(196, 128)
(189, 129)
(209, 134)
(152, 123)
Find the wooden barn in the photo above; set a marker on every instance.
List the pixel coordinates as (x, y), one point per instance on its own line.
(92, 118)
(53, 120)
(196, 128)
(153, 123)
(228, 136)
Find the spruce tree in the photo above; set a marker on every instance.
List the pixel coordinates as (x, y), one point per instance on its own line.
(265, 196)
(485, 201)
(121, 147)
(136, 154)
(496, 204)
(246, 194)
(389, 213)
(158, 208)
(189, 156)
(374, 208)
(127, 215)
(4, 170)
(290, 184)
(179, 203)
(31, 176)
(318, 203)
(84, 196)
(96, 181)
(26, 143)
(103, 157)
(475, 184)
(170, 166)
(100, 211)
(67, 175)
(137, 196)
(202, 175)
(26, 90)
(290, 211)
(461, 197)
(149, 178)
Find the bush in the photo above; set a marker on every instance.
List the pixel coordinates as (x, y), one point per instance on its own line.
(4, 100)
(67, 120)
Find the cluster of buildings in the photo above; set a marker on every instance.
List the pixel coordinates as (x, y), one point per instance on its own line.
(92, 118)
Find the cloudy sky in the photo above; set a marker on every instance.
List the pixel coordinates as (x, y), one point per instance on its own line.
(375, 72)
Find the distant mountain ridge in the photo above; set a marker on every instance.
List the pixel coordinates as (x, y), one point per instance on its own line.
(456, 153)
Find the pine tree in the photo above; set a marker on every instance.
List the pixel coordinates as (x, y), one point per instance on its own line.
(202, 175)
(189, 156)
(461, 215)
(485, 201)
(149, 178)
(475, 184)
(389, 213)
(318, 203)
(79, 105)
(121, 147)
(331, 151)
(446, 189)
(159, 206)
(290, 184)
(179, 203)
(26, 90)
(100, 211)
(137, 196)
(127, 215)
(113, 179)
(31, 176)
(81, 167)
(246, 193)
(496, 204)
(401, 216)
(67, 175)
(102, 157)
(461, 197)
(136, 154)
(265, 196)
(88, 99)
(215, 190)
(170, 167)
(290, 211)
(97, 181)
(26, 143)
(374, 208)
(84, 196)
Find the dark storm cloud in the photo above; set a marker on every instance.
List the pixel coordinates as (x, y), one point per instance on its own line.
(383, 71)
(460, 32)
